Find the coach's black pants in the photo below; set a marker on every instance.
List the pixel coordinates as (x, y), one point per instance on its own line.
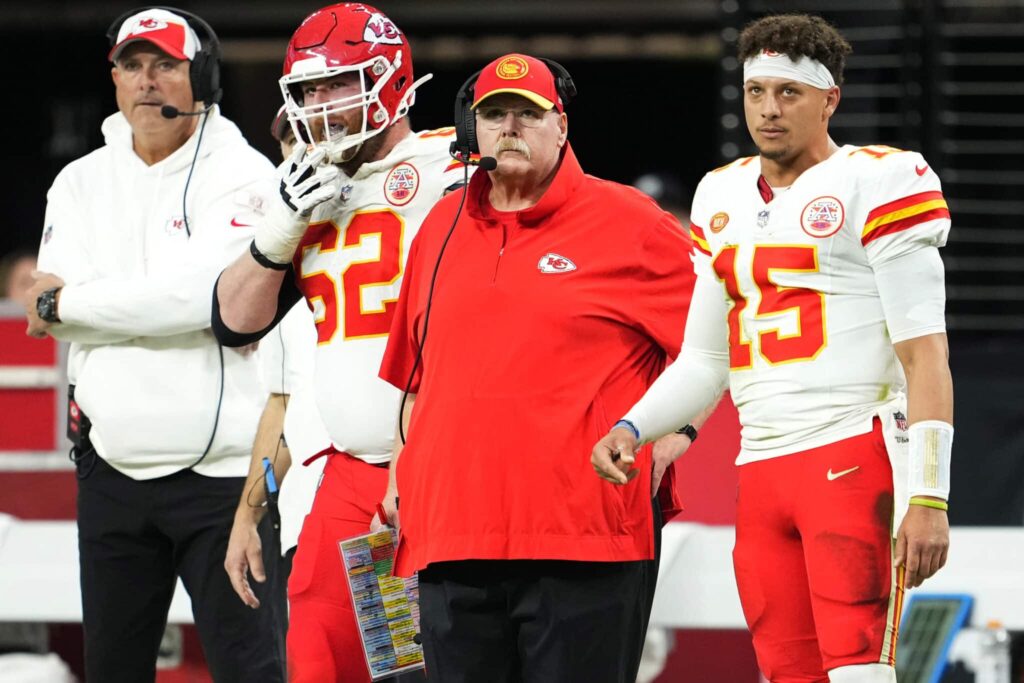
(536, 621)
(134, 539)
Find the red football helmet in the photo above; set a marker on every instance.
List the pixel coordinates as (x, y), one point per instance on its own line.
(348, 38)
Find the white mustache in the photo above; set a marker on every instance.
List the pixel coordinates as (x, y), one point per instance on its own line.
(513, 145)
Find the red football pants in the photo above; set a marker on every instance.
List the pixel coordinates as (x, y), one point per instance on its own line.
(323, 638)
(813, 559)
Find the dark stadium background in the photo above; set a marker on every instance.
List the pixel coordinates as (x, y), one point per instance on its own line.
(657, 94)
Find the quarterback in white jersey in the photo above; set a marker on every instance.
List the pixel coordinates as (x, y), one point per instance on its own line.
(351, 201)
(798, 268)
(820, 303)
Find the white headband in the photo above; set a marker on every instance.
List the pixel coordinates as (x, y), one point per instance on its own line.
(774, 65)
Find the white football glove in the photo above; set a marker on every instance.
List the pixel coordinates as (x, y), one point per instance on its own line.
(308, 182)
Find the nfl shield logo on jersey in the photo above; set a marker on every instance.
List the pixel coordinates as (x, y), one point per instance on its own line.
(555, 263)
(901, 421)
(823, 217)
(401, 184)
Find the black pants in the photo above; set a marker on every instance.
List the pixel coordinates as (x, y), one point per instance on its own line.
(134, 539)
(536, 621)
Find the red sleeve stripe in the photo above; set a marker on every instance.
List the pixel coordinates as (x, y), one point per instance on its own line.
(904, 223)
(697, 230)
(900, 209)
(898, 204)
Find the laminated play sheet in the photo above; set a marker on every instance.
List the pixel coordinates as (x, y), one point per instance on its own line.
(386, 607)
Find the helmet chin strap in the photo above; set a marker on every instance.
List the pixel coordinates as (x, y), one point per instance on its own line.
(410, 96)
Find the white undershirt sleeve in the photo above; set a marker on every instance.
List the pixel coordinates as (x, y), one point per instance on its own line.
(913, 294)
(699, 374)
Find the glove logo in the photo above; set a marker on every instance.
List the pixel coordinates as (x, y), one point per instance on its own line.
(822, 217)
(555, 263)
(401, 184)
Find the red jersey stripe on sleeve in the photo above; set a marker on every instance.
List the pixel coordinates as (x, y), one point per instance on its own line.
(900, 210)
(905, 202)
(905, 223)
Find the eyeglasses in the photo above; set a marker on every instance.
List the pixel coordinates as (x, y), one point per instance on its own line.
(492, 118)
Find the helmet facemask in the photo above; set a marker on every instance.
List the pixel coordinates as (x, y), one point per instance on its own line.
(342, 144)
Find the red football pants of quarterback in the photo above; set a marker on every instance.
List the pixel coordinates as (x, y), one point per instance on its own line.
(323, 637)
(813, 559)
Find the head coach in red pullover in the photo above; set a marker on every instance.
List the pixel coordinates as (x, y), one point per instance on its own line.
(558, 298)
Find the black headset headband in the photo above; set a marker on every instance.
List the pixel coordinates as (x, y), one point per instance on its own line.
(465, 120)
(204, 70)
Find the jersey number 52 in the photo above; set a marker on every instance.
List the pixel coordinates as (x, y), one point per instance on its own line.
(356, 277)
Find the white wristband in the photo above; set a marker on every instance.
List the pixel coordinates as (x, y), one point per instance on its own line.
(931, 445)
(278, 234)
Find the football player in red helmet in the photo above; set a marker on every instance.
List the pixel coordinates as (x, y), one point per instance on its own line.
(351, 201)
(347, 78)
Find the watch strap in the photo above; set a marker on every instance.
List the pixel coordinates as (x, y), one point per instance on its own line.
(688, 430)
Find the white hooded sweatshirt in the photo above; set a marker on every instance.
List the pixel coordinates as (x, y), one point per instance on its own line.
(137, 301)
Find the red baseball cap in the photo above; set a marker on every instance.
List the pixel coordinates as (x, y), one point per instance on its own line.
(168, 31)
(521, 75)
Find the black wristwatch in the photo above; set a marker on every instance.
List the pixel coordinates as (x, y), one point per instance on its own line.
(688, 430)
(46, 305)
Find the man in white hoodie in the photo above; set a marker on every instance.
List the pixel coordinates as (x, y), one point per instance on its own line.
(135, 235)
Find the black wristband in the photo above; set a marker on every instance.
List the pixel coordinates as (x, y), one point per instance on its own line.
(688, 430)
(262, 259)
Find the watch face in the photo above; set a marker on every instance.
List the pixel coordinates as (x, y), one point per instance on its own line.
(46, 306)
